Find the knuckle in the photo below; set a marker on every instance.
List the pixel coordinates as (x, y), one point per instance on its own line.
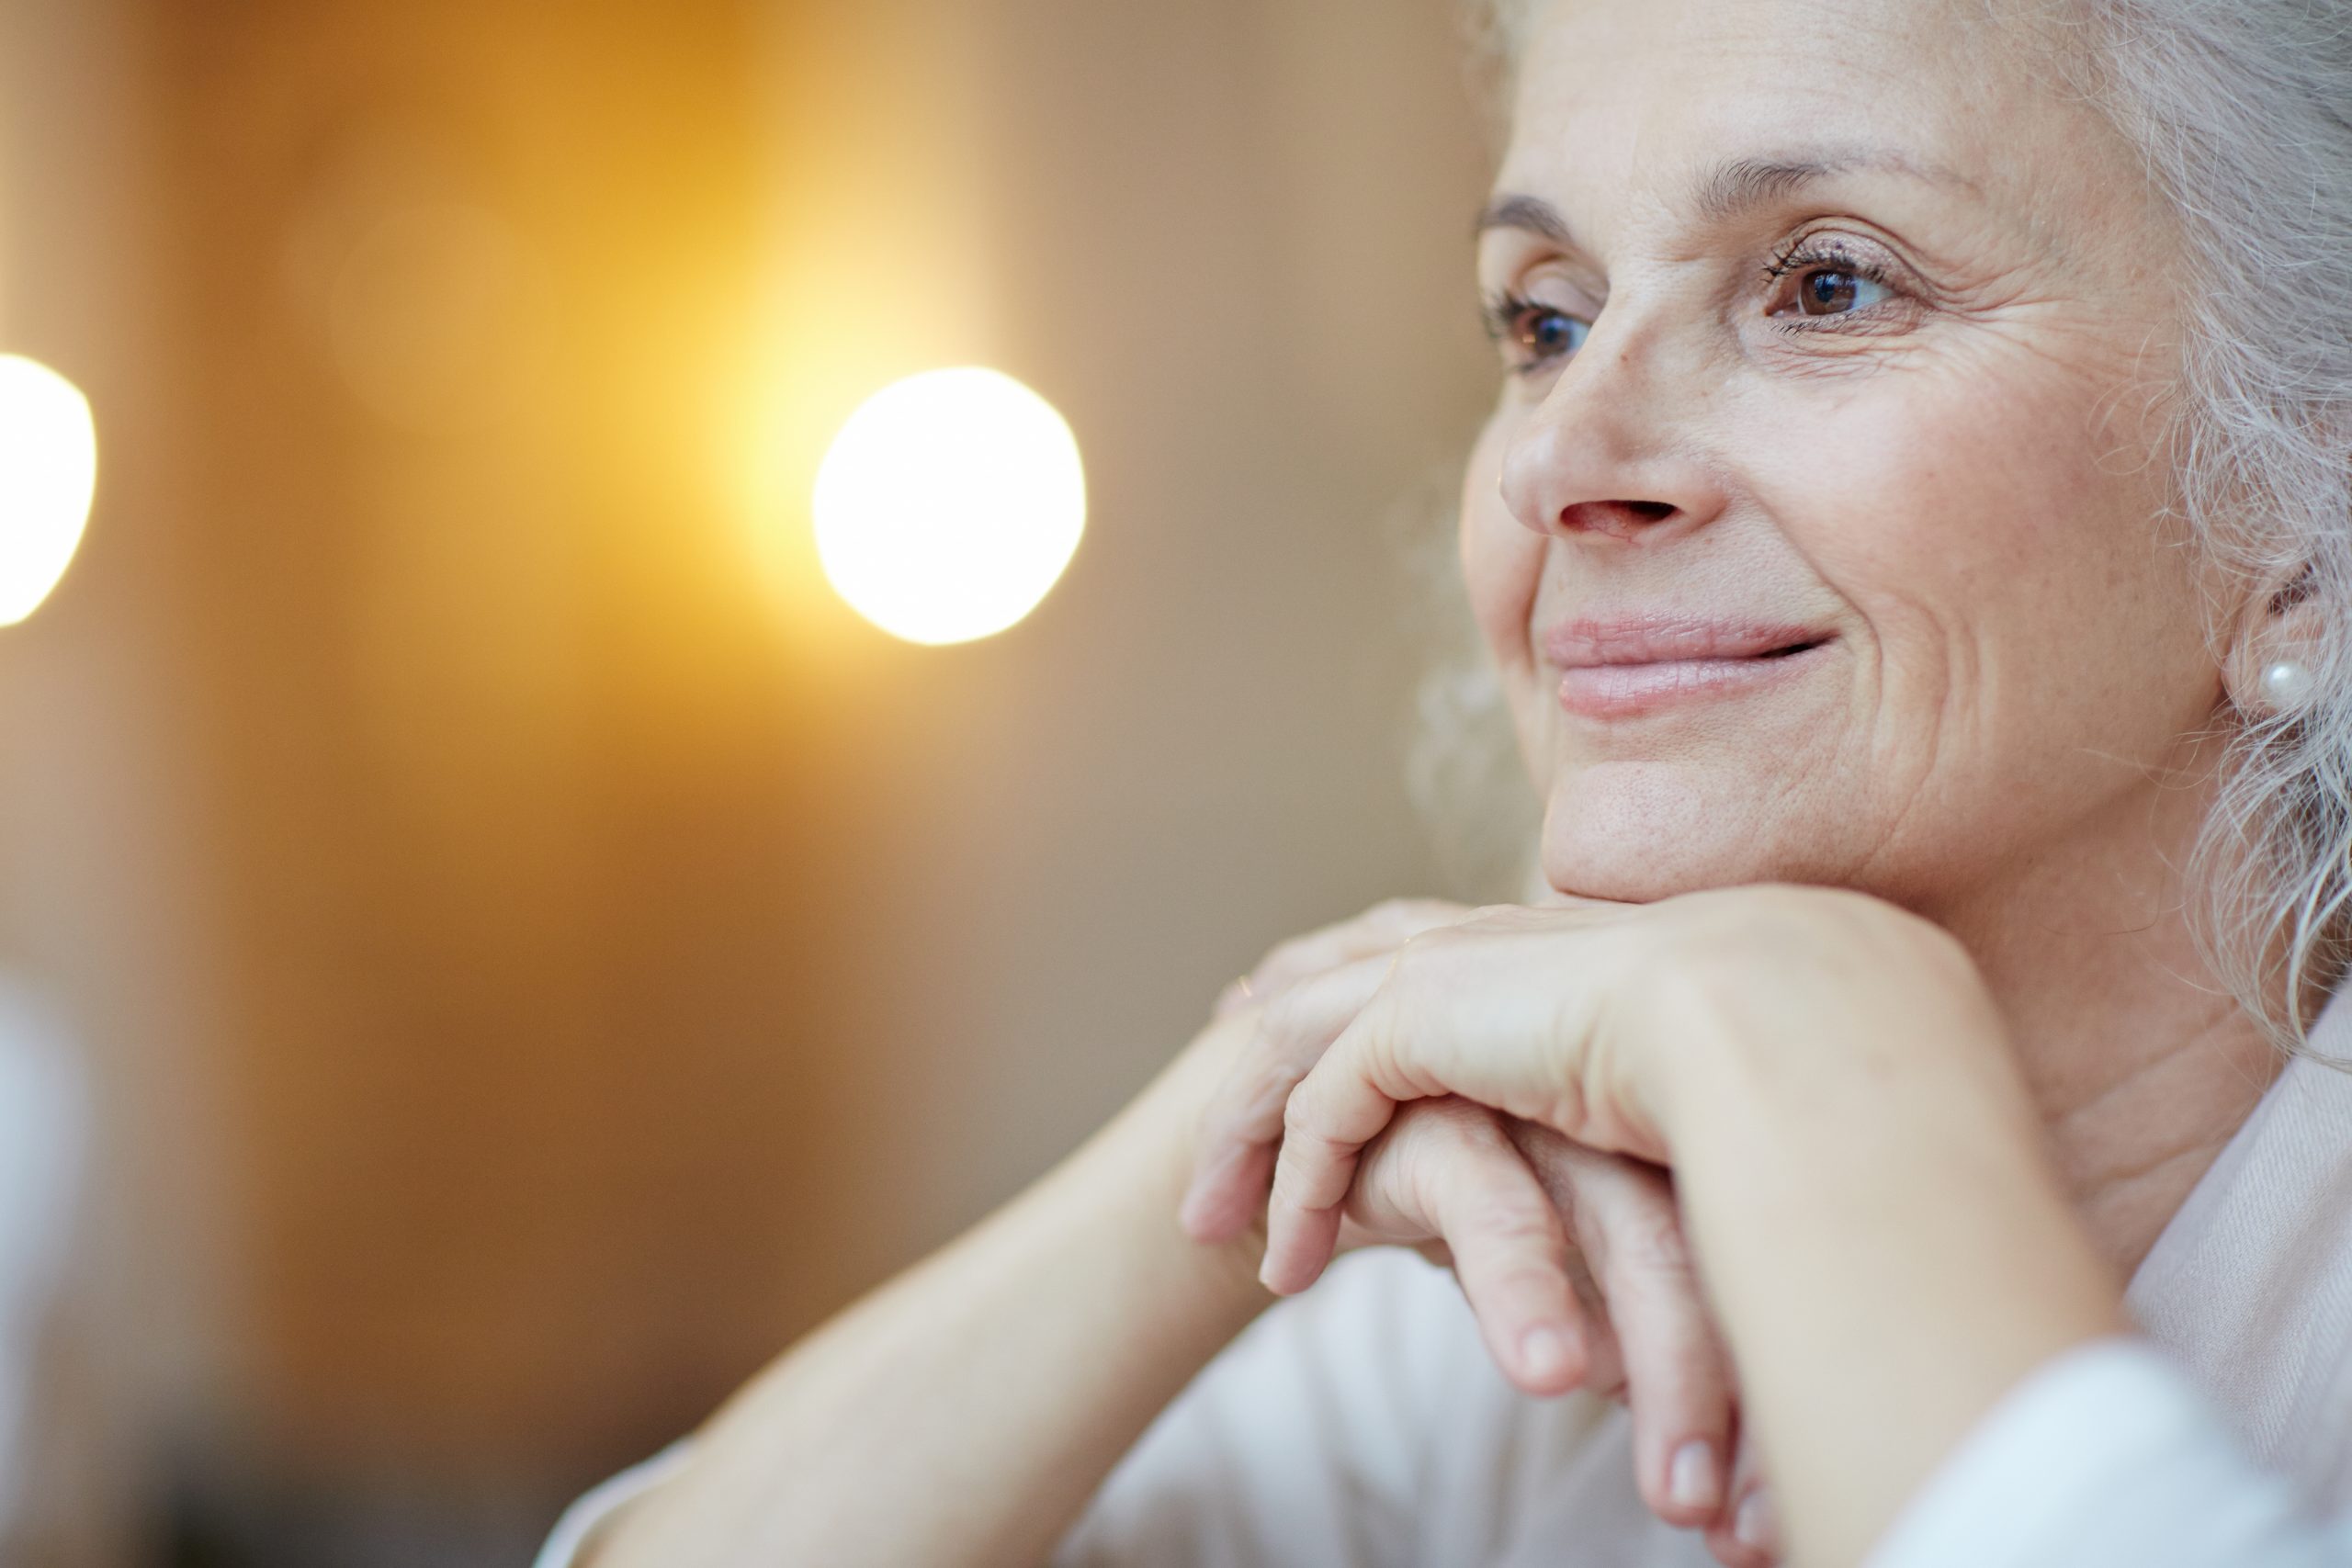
(1283, 1019)
(1653, 1248)
(1520, 1278)
(1300, 1182)
(1509, 1223)
(1245, 1087)
(1412, 1140)
(1416, 952)
(1458, 1124)
(1298, 1121)
(1303, 1139)
(1284, 954)
(1256, 1112)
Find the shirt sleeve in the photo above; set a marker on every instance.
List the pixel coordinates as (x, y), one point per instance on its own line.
(1301, 1442)
(2109, 1458)
(584, 1517)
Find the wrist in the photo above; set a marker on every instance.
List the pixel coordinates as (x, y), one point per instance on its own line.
(1851, 1010)
(1130, 1178)
(1868, 1189)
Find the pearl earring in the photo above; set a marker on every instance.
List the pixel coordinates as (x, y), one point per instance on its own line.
(2287, 684)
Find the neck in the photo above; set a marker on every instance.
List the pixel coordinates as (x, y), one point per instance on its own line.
(2142, 1064)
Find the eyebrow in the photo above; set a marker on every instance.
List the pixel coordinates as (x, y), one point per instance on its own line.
(1732, 188)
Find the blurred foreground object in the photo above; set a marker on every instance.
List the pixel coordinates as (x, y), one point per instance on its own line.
(949, 505)
(42, 1132)
(49, 472)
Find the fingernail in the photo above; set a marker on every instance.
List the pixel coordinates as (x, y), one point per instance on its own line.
(1543, 1352)
(1268, 1274)
(1754, 1527)
(1693, 1480)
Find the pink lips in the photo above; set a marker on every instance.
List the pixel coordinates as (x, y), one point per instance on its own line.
(1618, 668)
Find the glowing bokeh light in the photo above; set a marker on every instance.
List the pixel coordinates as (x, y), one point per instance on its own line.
(949, 505)
(49, 471)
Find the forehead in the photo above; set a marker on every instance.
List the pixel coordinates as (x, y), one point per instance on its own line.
(1624, 102)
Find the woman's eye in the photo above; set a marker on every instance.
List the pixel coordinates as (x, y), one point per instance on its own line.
(1837, 291)
(1553, 332)
(1538, 334)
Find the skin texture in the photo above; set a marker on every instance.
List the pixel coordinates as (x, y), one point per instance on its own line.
(1944, 479)
(1919, 1126)
(1573, 1260)
(1928, 445)
(2015, 725)
(963, 1414)
(1860, 1165)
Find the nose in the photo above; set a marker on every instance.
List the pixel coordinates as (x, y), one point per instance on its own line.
(1613, 450)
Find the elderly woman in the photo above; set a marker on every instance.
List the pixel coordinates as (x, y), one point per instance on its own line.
(1913, 542)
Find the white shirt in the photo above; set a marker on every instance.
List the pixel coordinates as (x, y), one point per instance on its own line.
(1363, 1425)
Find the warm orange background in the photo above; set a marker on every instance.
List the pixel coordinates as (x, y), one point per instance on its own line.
(538, 952)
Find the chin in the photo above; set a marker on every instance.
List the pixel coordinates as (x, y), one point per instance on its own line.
(1637, 832)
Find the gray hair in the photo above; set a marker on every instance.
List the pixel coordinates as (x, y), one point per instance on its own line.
(2242, 111)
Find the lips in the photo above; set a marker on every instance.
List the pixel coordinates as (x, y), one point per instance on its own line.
(1628, 665)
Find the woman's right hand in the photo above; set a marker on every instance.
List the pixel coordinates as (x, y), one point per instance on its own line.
(1617, 1267)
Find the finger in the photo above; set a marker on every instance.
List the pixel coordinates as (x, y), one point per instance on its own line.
(1234, 1158)
(1451, 1168)
(1384, 1218)
(1605, 1361)
(1455, 1015)
(1344, 1101)
(1676, 1365)
(1748, 1534)
(1323, 1137)
(1389, 1203)
(1604, 1354)
(1240, 993)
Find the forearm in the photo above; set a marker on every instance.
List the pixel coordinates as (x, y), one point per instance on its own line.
(964, 1414)
(1888, 1248)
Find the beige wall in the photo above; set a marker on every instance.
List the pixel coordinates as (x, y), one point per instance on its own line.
(102, 898)
(588, 955)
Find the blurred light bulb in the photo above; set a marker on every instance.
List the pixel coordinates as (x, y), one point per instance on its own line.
(949, 505)
(49, 471)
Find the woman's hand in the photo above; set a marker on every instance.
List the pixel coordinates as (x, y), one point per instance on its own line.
(1549, 1232)
(1585, 1018)
(1531, 1222)
(1860, 1167)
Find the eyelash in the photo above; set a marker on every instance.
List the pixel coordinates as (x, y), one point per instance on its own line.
(1504, 312)
(1833, 252)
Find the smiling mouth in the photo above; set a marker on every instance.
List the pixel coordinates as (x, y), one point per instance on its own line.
(1624, 668)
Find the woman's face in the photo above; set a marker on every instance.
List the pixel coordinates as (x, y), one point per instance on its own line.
(1813, 534)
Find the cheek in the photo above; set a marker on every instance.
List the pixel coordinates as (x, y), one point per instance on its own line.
(1502, 563)
(2011, 577)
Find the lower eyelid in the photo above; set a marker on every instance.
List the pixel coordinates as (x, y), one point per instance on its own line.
(1889, 316)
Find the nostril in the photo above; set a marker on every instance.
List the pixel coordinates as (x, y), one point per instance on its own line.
(1621, 519)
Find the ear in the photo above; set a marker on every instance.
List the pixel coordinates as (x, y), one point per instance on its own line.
(2281, 623)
